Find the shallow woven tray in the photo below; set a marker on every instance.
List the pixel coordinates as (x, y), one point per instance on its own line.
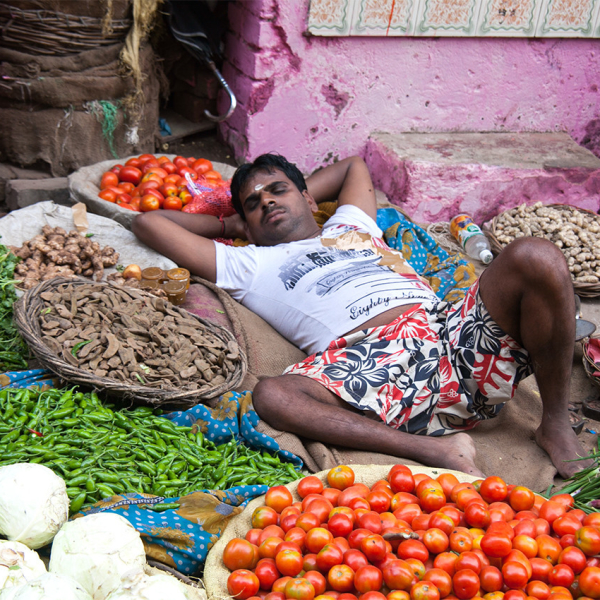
(585, 290)
(215, 571)
(589, 365)
(27, 311)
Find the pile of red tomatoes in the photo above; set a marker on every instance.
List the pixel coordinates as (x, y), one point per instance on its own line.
(147, 183)
(414, 537)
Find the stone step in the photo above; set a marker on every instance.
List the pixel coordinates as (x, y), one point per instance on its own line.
(435, 176)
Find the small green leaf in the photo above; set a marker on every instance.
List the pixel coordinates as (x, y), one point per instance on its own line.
(141, 379)
(45, 311)
(120, 268)
(220, 311)
(77, 347)
(144, 368)
(89, 235)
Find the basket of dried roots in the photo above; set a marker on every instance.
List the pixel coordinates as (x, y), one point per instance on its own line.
(575, 231)
(128, 343)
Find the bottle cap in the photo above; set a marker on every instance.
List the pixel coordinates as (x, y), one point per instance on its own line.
(485, 256)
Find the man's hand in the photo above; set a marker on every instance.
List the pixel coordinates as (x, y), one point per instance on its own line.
(235, 227)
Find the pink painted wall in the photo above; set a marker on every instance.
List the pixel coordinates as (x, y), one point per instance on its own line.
(314, 99)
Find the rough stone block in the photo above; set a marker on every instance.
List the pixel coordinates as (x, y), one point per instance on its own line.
(8, 172)
(436, 176)
(24, 192)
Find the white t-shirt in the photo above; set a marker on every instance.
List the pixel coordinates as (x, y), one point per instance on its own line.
(314, 291)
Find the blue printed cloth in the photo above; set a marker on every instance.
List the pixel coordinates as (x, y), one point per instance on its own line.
(29, 378)
(449, 275)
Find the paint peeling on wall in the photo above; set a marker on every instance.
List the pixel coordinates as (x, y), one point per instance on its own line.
(260, 97)
(337, 99)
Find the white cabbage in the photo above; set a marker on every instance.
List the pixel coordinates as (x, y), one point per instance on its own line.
(136, 585)
(33, 504)
(18, 564)
(48, 586)
(96, 551)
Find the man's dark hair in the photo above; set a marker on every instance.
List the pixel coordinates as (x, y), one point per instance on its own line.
(264, 163)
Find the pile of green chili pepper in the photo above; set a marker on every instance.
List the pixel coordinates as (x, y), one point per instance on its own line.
(14, 352)
(100, 452)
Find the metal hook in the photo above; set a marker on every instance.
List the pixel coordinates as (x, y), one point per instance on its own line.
(232, 98)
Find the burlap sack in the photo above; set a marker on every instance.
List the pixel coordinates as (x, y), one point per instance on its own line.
(84, 186)
(216, 573)
(67, 136)
(267, 351)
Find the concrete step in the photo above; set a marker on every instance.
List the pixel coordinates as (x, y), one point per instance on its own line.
(435, 176)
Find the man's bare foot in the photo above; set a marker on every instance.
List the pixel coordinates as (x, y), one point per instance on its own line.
(561, 443)
(457, 452)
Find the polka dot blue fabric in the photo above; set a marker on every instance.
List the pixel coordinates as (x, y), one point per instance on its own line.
(31, 377)
(449, 275)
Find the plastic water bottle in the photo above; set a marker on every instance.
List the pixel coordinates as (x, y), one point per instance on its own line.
(471, 238)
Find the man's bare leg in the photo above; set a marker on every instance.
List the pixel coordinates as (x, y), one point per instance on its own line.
(303, 406)
(529, 294)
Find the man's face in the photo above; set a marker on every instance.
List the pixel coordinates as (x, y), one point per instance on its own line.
(276, 211)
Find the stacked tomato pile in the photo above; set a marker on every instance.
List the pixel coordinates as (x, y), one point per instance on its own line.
(147, 183)
(414, 537)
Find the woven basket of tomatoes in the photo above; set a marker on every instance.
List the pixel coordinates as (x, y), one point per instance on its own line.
(406, 533)
(120, 189)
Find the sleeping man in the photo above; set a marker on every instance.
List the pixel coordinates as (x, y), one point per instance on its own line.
(391, 368)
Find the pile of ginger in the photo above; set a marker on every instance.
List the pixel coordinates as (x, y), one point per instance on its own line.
(56, 253)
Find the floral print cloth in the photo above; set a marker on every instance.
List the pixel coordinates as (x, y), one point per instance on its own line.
(434, 370)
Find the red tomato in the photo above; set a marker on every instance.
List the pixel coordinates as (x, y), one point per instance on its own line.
(589, 582)
(123, 204)
(299, 589)
(446, 561)
(551, 510)
(465, 584)
(202, 165)
(424, 590)
(435, 540)
(169, 167)
(289, 562)
(548, 548)
(398, 595)
(116, 169)
(514, 574)
(496, 545)
(538, 589)
(421, 522)
(358, 490)
(526, 527)
(126, 187)
(180, 162)
(573, 557)
(379, 500)
(307, 521)
(540, 569)
(373, 547)
(367, 579)
(264, 516)
(316, 538)
(107, 195)
(587, 539)
(242, 584)
(186, 170)
(441, 580)
(398, 575)
(370, 520)
(161, 173)
(447, 481)
(152, 177)
(527, 545)
(417, 567)
(521, 498)
(355, 559)
(413, 549)
(108, 179)
(443, 521)
(565, 499)
(269, 547)
(341, 578)
(213, 176)
(317, 580)
(407, 512)
(460, 540)
(133, 162)
(565, 525)
(267, 573)
(240, 554)
(148, 165)
(329, 556)
(491, 579)
(502, 511)
(561, 574)
(309, 562)
(320, 507)
(592, 520)
(288, 522)
(477, 515)
(331, 494)
(458, 488)
(340, 525)
(342, 544)
(130, 174)
(277, 497)
(401, 480)
(309, 485)
(271, 531)
(168, 189)
(297, 535)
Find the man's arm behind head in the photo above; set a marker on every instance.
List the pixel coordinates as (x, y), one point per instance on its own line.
(347, 181)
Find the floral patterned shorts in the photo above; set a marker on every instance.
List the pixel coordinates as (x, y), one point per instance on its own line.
(436, 369)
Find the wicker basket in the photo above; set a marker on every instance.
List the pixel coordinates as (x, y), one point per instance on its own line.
(585, 290)
(27, 313)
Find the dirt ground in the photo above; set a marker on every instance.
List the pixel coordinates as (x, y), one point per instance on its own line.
(202, 145)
